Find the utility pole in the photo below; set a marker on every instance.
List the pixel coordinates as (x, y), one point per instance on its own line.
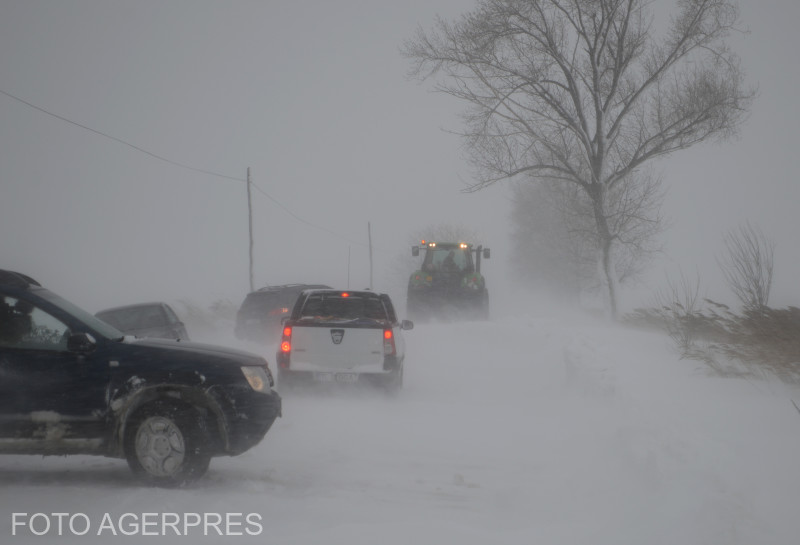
(348, 266)
(369, 235)
(250, 225)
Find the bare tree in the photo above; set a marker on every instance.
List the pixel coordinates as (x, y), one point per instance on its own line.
(444, 232)
(551, 247)
(747, 265)
(556, 236)
(681, 306)
(585, 92)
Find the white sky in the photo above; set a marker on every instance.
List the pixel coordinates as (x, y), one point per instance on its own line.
(312, 96)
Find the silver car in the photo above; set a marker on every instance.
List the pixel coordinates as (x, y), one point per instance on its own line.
(146, 320)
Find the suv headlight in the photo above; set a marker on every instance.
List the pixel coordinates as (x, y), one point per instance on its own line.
(257, 377)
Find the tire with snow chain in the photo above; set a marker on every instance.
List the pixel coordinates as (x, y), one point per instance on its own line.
(165, 444)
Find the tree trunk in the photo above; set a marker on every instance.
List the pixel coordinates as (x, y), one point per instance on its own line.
(611, 279)
(605, 241)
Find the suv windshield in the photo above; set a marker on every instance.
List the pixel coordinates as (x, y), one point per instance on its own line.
(93, 322)
(256, 300)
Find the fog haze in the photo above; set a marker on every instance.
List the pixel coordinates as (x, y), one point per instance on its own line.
(542, 423)
(314, 98)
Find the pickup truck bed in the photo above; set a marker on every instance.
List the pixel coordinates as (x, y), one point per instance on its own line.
(343, 336)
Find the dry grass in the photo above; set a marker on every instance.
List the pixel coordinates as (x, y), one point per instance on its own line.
(764, 340)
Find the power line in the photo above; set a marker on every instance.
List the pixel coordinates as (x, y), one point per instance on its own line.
(178, 164)
(301, 220)
(121, 141)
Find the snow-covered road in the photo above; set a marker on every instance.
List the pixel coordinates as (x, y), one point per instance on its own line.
(526, 429)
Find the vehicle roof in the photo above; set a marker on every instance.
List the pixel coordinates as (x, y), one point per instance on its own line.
(445, 244)
(127, 307)
(331, 291)
(294, 287)
(18, 280)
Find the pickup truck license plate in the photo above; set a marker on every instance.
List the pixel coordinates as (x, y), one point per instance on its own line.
(336, 377)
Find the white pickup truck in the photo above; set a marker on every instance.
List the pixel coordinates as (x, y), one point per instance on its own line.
(343, 336)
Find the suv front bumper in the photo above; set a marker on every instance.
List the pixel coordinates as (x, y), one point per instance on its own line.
(248, 417)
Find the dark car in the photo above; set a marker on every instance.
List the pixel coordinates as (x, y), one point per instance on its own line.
(259, 317)
(146, 320)
(73, 384)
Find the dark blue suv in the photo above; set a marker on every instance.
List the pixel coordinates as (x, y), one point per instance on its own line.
(73, 384)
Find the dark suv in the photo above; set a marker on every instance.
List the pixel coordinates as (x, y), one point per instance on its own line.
(73, 384)
(259, 317)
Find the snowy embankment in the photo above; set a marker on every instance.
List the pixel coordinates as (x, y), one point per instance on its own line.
(522, 430)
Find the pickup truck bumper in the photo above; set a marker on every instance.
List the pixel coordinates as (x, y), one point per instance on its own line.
(292, 378)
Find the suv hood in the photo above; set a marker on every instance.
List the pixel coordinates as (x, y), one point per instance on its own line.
(231, 355)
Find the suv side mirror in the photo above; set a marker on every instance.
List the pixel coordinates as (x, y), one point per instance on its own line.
(81, 343)
(415, 251)
(407, 324)
(486, 253)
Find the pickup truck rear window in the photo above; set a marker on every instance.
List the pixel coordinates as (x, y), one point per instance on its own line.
(338, 307)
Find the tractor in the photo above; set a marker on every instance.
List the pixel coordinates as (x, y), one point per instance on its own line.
(449, 284)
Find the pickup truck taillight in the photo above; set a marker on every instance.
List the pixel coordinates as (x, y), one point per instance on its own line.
(388, 343)
(286, 347)
(286, 340)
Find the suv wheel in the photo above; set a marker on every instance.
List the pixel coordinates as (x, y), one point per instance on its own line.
(164, 445)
